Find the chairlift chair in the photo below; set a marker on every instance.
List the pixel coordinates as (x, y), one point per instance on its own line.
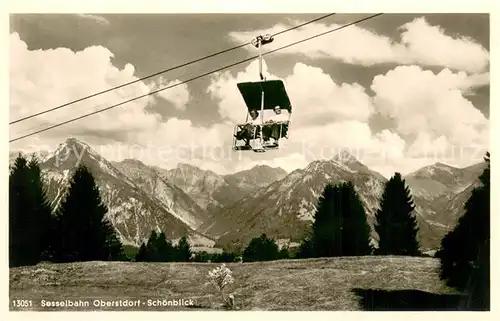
(262, 95)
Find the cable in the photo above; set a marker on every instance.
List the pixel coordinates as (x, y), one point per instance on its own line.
(194, 78)
(163, 71)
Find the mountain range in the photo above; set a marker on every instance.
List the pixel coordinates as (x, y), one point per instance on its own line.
(227, 211)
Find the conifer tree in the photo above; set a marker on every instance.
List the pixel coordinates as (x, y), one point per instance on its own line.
(41, 212)
(465, 251)
(326, 229)
(340, 227)
(152, 254)
(113, 246)
(261, 248)
(183, 250)
(20, 241)
(306, 249)
(29, 214)
(141, 255)
(355, 229)
(166, 252)
(396, 224)
(284, 253)
(157, 249)
(83, 233)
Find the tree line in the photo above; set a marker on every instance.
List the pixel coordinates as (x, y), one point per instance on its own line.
(76, 231)
(159, 249)
(79, 231)
(465, 250)
(340, 228)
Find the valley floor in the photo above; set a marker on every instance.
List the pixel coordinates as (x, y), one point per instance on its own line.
(331, 284)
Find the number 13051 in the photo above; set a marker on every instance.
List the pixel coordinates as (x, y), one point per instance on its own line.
(22, 303)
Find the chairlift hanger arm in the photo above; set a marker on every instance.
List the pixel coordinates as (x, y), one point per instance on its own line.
(258, 42)
(261, 40)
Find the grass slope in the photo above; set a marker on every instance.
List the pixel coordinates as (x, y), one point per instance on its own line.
(354, 283)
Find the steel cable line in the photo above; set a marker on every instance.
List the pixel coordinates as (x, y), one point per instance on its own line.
(194, 78)
(164, 71)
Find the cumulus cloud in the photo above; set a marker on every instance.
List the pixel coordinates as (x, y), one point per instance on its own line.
(326, 117)
(430, 45)
(96, 18)
(433, 119)
(420, 43)
(43, 79)
(422, 102)
(174, 91)
(319, 98)
(430, 112)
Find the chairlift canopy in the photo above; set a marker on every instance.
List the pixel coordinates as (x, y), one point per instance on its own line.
(274, 94)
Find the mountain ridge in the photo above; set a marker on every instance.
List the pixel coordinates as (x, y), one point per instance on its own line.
(369, 185)
(231, 209)
(132, 212)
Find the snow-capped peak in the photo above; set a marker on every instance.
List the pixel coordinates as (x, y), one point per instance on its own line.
(344, 157)
(73, 145)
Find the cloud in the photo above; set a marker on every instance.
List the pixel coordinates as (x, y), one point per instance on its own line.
(96, 18)
(430, 45)
(317, 99)
(177, 93)
(422, 102)
(432, 114)
(420, 43)
(433, 119)
(429, 113)
(176, 141)
(326, 117)
(43, 79)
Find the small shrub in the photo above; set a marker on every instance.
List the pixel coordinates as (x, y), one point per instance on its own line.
(221, 277)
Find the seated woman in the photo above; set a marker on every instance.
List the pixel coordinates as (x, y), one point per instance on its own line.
(272, 127)
(248, 131)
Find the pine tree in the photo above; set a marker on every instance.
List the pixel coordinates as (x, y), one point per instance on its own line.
(141, 255)
(152, 254)
(157, 249)
(41, 213)
(113, 246)
(261, 249)
(306, 249)
(284, 253)
(20, 240)
(465, 251)
(340, 227)
(355, 229)
(164, 249)
(326, 229)
(395, 224)
(29, 214)
(183, 250)
(82, 229)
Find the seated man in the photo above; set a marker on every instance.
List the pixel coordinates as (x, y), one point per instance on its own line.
(272, 127)
(248, 131)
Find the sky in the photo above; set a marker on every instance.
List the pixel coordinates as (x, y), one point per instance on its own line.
(399, 91)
